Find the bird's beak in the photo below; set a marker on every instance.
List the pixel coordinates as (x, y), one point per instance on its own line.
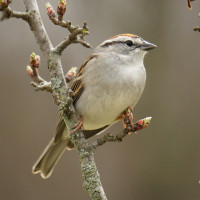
(147, 46)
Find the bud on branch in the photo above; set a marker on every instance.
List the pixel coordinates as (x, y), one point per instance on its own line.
(34, 60)
(71, 74)
(4, 4)
(61, 9)
(50, 11)
(38, 82)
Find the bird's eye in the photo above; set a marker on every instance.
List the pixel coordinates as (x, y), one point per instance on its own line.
(129, 43)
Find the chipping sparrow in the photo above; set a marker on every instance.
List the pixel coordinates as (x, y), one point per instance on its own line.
(111, 80)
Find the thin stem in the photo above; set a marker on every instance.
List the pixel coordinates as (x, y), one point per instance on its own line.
(37, 26)
(139, 125)
(8, 13)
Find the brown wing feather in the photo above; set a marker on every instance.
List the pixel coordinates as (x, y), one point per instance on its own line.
(78, 88)
(77, 85)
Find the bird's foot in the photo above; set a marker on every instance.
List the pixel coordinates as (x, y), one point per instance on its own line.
(127, 119)
(77, 126)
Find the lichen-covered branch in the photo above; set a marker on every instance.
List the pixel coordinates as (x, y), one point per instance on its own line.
(44, 86)
(89, 170)
(139, 125)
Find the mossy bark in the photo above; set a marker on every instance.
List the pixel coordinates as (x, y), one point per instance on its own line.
(89, 170)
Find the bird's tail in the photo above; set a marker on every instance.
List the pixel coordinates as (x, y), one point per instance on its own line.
(51, 155)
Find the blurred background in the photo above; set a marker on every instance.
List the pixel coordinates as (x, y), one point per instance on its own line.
(161, 162)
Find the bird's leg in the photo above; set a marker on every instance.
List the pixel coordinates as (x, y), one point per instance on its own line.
(127, 118)
(77, 126)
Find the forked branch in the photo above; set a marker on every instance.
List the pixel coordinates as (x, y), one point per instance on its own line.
(38, 82)
(8, 13)
(77, 34)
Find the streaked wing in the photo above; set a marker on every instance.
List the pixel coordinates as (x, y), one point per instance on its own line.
(77, 88)
(77, 85)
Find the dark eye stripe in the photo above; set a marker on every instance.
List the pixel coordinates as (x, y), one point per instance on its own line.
(129, 43)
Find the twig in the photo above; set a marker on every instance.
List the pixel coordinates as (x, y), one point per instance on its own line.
(39, 83)
(44, 86)
(139, 125)
(4, 4)
(196, 28)
(37, 27)
(76, 33)
(8, 13)
(83, 42)
(189, 4)
(76, 36)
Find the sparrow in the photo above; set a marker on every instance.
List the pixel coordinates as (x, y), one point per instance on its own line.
(110, 81)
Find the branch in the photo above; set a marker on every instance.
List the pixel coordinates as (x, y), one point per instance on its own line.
(89, 170)
(189, 4)
(86, 154)
(39, 83)
(62, 97)
(139, 125)
(8, 13)
(32, 16)
(72, 38)
(37, 26)
(44, 86)
(76, 33)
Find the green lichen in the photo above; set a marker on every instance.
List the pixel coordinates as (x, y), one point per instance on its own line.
(91, 179)
(56, 83)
